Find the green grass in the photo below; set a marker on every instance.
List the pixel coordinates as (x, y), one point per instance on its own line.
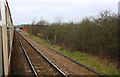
(90, 61)
(35, 38)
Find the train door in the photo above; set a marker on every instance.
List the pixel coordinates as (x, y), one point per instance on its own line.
(5, 65)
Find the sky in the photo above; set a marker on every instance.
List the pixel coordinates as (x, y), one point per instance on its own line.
(26, 11)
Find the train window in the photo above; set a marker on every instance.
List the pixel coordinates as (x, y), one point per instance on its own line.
(0, 15)
(0, 10)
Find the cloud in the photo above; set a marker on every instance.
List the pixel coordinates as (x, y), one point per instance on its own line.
(24, 11)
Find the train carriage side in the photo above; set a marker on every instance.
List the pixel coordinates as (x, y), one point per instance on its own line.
(6, 37)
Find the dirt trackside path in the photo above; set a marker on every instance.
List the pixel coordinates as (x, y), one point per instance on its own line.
(67, 66)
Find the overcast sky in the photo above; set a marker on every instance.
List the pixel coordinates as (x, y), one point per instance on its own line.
(25, 11)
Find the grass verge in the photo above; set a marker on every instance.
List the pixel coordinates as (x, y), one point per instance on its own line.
(91, 61)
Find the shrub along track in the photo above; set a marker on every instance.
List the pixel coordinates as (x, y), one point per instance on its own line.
(69, 67)
(40, 65)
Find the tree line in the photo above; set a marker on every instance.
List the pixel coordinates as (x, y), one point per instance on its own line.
(93, 35)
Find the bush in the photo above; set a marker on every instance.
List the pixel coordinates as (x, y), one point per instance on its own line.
(98, 36)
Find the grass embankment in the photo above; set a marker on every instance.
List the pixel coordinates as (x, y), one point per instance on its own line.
(91, 61)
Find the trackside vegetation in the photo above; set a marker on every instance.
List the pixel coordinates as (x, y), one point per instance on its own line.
(93, 62)
(96, 36)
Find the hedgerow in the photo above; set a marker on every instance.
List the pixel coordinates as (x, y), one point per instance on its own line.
(93, 35)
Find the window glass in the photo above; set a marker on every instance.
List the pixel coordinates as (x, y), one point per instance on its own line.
(0, 10)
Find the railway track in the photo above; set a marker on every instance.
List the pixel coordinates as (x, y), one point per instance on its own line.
(99, 74)
(19, 65)
(40, 65)
(62, 73)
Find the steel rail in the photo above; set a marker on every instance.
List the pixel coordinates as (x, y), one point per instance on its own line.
(78, 63)
(31, 65)
(50, 62)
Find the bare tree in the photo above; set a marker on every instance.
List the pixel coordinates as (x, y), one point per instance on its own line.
(58, 20)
